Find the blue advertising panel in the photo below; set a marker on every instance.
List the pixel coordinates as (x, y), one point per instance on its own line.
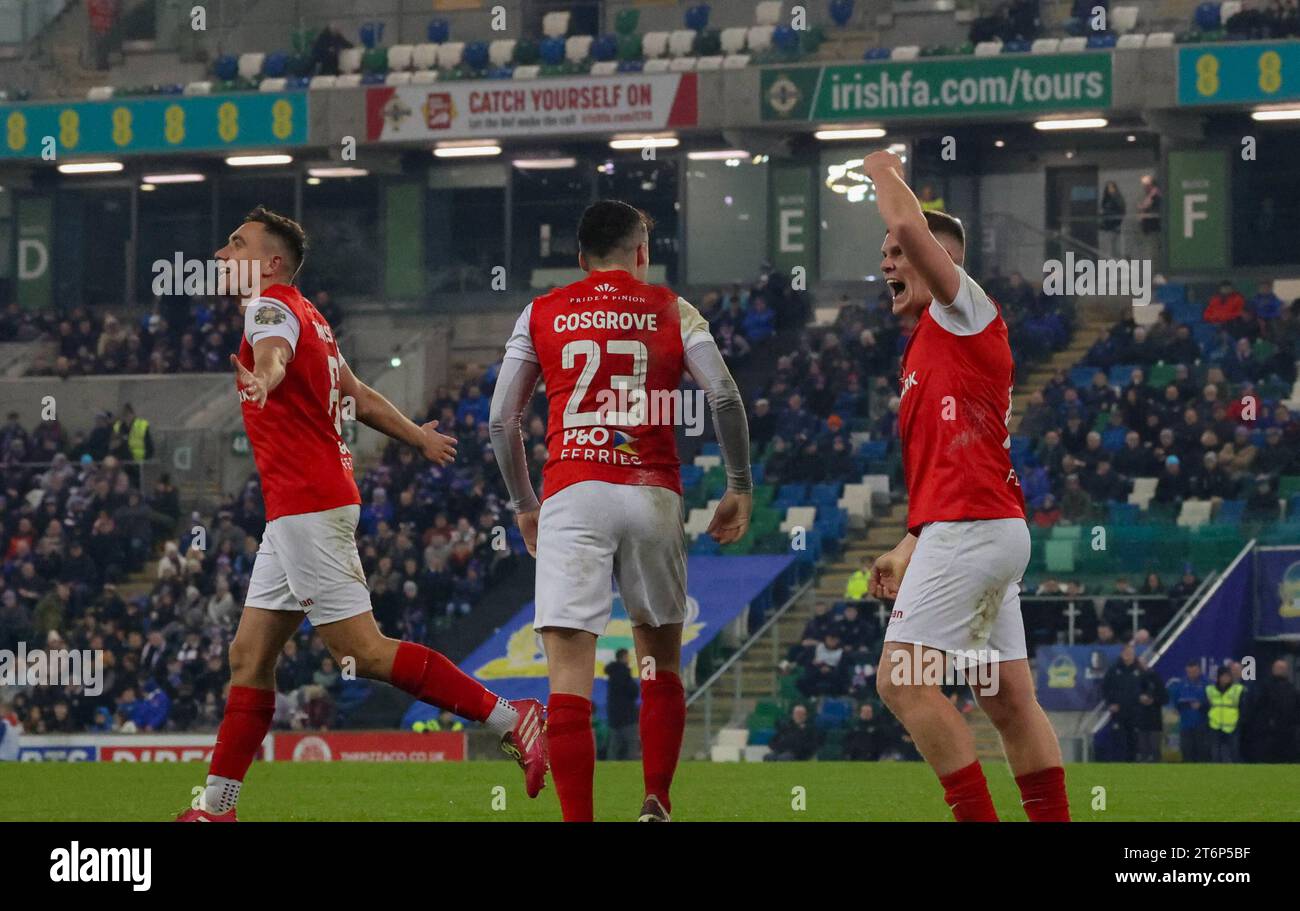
(1277, 590)
(169, 124)
(1237, 73)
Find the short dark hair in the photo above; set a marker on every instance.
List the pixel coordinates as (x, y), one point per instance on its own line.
(941, 223)
(608, 225)
(288, 231)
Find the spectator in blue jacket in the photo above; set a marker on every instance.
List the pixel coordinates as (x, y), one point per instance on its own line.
(475, 403)
(1265, 304)
(759, 322)
(1187, 694)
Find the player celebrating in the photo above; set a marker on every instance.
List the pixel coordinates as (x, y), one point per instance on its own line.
(292, 383)
(955, 577)
(610, 348)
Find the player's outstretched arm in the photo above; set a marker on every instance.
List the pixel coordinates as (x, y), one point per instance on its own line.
(706, 367)
(270, 357)
(377, 413)
(515, 384)
(901, 211)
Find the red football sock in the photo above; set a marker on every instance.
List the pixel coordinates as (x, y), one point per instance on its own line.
(430, 677)
(243, 728)
(1042, 794)
(663, 721)
(967, 795)
(573, 754)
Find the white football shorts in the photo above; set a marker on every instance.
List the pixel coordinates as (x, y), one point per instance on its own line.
(595, 531)
(961, 591)
(309, 562)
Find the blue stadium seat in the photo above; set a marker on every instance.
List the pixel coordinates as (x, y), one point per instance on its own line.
(1121, 374)
(631, 66)
(711, 449)
(1081, 376)
(825, 495)
(1293, 508)
(706, 546)
(1112, 438)
(874, 450)
(758, 472)
(761, 737)
(691, 475)
(1230, 512)
(834, 712)
(1206, 17)
(793, 493)
(1171, 293)
(877, 53)
(439, 31)
(1124, 514)
(1102, 42)
(1016, 46)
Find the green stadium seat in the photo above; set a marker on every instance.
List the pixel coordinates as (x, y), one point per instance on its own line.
(1060, 556)
(1161, 375)
(1288, 486)
(1067, 533)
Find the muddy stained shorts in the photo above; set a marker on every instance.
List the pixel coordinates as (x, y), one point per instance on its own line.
(961, 591)
(593, 532)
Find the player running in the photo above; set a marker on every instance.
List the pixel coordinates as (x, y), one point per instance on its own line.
(292, 384)
(955, 578)
(611, 349)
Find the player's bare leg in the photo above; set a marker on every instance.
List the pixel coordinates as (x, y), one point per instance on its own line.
(430, 677)
(1030, 743)
(663, 714)
(249, 708)
(940, 733)
(571, 662)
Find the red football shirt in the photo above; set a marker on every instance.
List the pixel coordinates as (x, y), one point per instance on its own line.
(610, 349)
(955, 404)
(297, 438)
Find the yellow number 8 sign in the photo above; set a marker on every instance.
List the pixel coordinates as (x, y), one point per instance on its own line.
(1270, 72)
(228, 121)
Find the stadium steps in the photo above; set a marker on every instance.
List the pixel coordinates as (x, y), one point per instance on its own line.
(1086, 334)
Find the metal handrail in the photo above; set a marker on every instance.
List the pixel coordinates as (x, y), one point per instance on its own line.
(706, 688)
(1046, 233)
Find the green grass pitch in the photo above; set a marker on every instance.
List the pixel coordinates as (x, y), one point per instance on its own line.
(467, 791)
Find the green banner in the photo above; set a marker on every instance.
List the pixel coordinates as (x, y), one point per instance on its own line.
(35, 247)
(1198, 210)
(792, 220)
(1006, 84)
(404, 240)
(173, 123)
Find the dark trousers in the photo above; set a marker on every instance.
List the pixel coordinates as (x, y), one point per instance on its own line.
(1223, 747)
(1195, 744)
(625, 742)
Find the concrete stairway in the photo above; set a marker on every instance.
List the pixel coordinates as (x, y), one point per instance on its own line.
(1091, 327)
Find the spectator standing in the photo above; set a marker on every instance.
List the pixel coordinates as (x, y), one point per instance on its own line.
(1112, 218)
(621, 707)
(1275, 717)
(1224, 698)
(1187, 695)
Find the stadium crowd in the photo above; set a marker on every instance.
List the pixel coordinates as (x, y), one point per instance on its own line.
(177, 334)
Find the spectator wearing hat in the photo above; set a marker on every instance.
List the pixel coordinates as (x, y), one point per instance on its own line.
(1173, 486)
